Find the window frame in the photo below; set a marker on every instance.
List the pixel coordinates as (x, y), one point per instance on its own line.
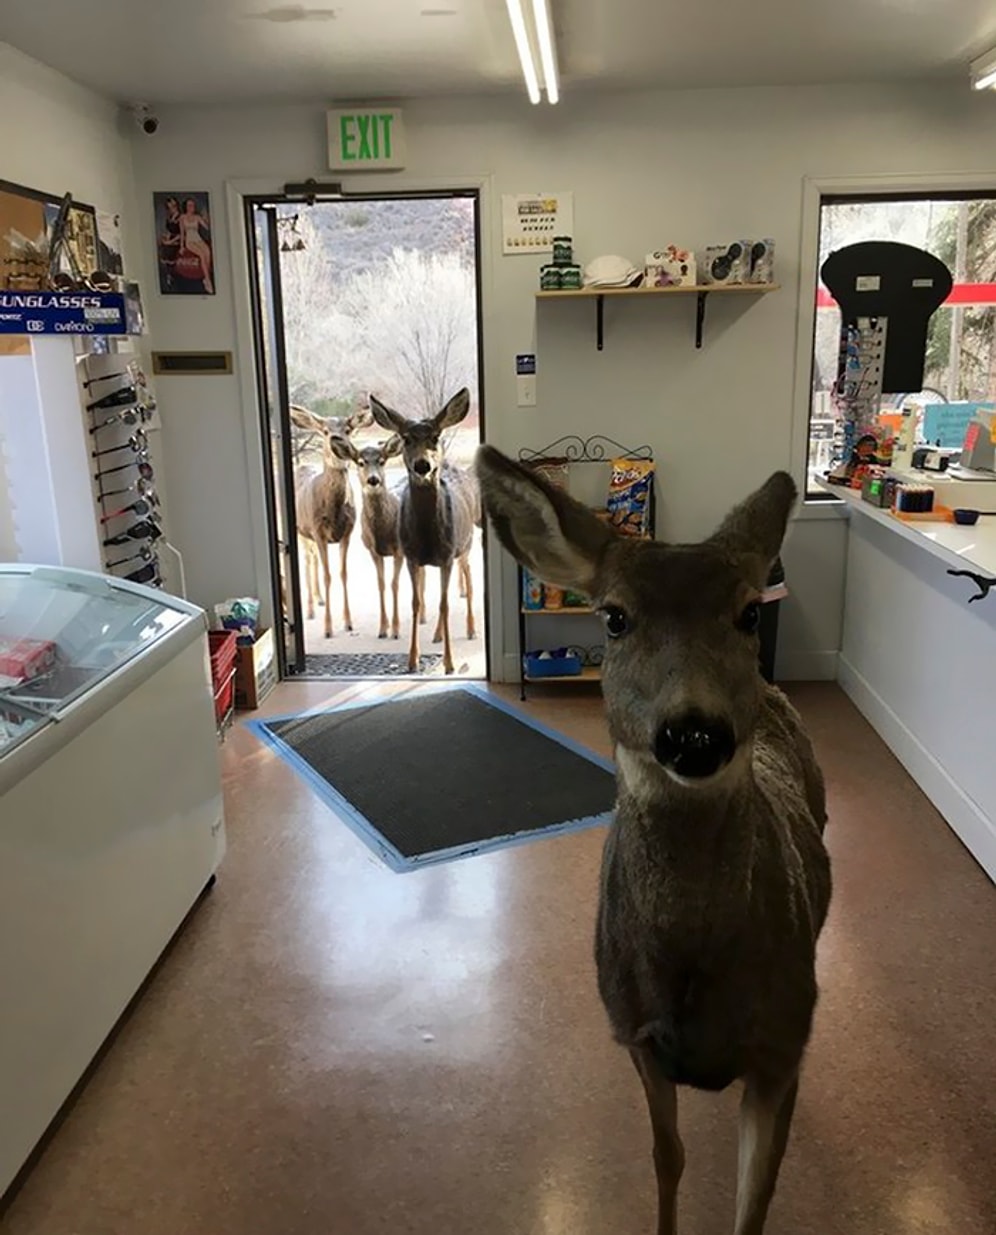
(817, 190)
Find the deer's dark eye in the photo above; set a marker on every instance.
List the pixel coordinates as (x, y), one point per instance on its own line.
(750, 619)
(616, 621)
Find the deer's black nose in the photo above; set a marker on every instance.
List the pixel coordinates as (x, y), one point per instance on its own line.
(373, 480)
(422, 466)
(694, 746)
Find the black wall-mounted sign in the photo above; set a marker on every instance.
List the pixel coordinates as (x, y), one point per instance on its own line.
(880, 278)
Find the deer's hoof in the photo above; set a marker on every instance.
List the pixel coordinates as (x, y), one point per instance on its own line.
(447, 668)
(382, 635)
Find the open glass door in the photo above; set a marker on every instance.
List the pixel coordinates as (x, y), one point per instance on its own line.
(271, 378)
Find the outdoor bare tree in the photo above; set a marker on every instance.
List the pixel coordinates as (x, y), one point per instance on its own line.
(414, 319)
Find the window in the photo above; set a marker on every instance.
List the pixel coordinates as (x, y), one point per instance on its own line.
(960, 368)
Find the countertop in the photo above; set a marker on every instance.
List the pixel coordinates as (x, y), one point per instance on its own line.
(962, 548)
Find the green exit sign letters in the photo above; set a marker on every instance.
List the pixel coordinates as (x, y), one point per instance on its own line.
(366, 139)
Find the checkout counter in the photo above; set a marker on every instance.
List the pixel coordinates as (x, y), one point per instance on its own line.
(918, 651)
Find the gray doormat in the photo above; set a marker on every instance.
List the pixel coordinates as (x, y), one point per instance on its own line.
(367, 664)
(444, 773)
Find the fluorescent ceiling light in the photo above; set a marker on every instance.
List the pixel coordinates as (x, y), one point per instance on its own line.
(983, 71)
(548, 52)
(518, 20)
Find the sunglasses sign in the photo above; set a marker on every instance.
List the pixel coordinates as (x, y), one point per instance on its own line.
(48, 313)
(366, 139)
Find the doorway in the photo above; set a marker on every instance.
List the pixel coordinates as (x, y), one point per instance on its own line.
(352, 297)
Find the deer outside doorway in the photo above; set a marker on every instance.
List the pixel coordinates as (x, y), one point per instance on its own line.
(354, 298)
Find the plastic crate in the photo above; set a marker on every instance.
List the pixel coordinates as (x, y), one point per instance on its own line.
(562, 665)
(223, 646)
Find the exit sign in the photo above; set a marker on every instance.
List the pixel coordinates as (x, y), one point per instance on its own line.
(367, 139)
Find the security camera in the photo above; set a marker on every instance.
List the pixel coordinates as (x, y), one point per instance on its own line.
(145, 118)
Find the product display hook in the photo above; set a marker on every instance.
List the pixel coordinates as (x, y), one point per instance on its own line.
(982, 582)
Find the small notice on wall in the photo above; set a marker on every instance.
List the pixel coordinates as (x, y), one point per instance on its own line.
(529, 221)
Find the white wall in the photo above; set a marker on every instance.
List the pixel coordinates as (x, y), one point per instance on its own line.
(56, 136)
(694, 167)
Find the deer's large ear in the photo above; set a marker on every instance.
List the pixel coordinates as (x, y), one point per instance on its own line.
(755, 529)
(393, 446)
(454, 411)
(559, 540)
(359, 420)
(386, 416)
(305, 419)
(342, 448)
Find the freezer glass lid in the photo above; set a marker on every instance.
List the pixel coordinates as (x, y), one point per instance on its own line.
(61, 632)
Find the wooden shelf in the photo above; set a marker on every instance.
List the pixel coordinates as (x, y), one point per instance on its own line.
(722, 289)
(590, 673)
(568, 609)
(700, 291)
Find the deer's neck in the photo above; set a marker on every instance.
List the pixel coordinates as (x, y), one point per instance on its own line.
(687, 824)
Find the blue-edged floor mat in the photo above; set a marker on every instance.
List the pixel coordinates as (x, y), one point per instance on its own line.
(443, 773)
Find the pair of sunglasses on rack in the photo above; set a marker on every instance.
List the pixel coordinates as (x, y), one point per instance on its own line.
(144, 529)
(141, 507)
(98, 281)
(137, 442)
(146, 574)
(141, 463)
(141, 486)
(134, 415)
(143, 555)
(133, 393)
(133, 374)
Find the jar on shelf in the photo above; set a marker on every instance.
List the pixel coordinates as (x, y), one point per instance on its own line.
(563, 250)
(550, 279)
(570, 278)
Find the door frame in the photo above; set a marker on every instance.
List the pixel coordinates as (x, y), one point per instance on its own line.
(498, 577)
(289, 662)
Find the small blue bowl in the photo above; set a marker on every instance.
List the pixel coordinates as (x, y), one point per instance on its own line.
(968, 517)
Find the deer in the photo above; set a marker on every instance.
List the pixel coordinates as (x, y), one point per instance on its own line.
(440, 506)
(379, 516)
(715, 881)
(325, 511)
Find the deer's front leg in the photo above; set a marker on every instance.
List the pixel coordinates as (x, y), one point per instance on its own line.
(765, 1119)
(468, 585)
(347, 619)
(444, 615)
(395, 623)
(309, 562)
(379, 567)
(423, 615)
(323, 552)
(669, 1153)
(417, 575)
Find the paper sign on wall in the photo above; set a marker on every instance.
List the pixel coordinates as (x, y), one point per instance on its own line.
(529, 221)
(366, 139)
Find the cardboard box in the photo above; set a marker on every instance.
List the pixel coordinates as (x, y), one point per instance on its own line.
(23, 659)
(255, 671)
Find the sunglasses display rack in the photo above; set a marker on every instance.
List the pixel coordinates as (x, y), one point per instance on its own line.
(120, 412)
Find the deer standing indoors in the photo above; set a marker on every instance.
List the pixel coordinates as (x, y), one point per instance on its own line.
(324, 504)
(715, 881)
(440, 506)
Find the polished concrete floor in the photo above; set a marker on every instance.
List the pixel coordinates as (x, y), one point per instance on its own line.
(332, 1049)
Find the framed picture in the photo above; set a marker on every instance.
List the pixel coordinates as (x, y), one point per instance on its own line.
(28, 218)
(184, 249)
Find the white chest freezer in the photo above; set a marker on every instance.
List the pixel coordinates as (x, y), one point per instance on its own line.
(111, 819)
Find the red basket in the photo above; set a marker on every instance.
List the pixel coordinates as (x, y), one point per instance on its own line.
(223, 646)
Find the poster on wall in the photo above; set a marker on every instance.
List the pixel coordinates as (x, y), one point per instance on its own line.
(529, 221)
(184, 248)
(29, 220)
(109, 242)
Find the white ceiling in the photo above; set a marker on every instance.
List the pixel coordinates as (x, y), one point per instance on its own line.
(171, 51)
